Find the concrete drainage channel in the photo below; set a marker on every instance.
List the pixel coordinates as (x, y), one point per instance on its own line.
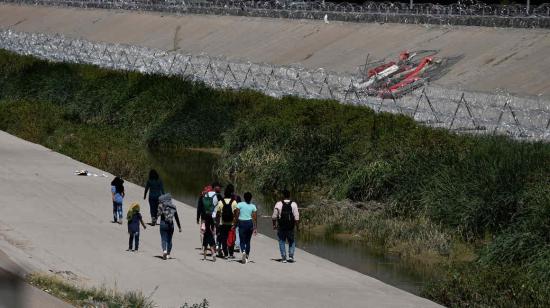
(500, 113)
(476, 14)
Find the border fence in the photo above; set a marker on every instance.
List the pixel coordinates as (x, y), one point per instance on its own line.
(479, 14)
(500, 113)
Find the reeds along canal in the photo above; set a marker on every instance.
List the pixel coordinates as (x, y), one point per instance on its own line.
(186, 173)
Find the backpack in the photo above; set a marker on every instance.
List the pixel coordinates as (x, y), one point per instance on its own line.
(227, 211)
(286, 219)
(168, 212)
(208, 203)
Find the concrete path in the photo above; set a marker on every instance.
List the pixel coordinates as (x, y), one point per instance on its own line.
(51, 220)
(15, 293)
(505, 58)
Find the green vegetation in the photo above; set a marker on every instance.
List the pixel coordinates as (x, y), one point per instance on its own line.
(95, 297)
(478, 207)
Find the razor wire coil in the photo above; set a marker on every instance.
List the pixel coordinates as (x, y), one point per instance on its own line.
(478, 14)
(482, 113)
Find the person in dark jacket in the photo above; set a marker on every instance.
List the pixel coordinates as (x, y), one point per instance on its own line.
(168, 213)
(155, 188)
(134, 219)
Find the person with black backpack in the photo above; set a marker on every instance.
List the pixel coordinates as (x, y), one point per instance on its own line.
(223, 215)
(285, 218)
(168, 213)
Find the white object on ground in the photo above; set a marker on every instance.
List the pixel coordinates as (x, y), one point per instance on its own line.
(88, 173)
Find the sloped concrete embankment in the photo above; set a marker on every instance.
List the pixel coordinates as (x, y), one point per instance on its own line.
(512, 59)
(52, 220)
(453, 101)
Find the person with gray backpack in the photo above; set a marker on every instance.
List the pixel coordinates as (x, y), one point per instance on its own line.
(168, 213)
(285, 218)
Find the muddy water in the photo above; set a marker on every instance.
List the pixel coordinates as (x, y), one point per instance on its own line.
(185, 174)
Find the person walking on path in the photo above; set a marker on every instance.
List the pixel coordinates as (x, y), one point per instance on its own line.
(168, 213)
(134, 219)
(285, 217)
(223, 215)
(238, 199)
(215, 193)
(117, 192)
(247, 221)
(155, 188)
(208, 237)
(206, 204)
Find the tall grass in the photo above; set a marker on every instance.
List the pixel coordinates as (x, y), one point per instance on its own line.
(433, 188)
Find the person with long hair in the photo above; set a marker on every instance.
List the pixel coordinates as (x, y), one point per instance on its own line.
(155, 188)
(117, 193)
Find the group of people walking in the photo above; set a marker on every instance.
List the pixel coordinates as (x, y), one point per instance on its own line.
(226, 221)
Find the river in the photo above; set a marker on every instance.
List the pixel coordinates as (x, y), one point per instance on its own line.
(186, 173)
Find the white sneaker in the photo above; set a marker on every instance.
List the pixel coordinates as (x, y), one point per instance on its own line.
(244, 258)
(164, 254)
(168, 257)
(284, 261)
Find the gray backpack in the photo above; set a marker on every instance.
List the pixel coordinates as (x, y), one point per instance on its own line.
(167, 209)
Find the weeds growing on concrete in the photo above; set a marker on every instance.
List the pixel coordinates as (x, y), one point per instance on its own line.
(88, 297)
(81, 296)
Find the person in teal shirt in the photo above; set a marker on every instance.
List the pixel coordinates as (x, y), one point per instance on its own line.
(248, 222)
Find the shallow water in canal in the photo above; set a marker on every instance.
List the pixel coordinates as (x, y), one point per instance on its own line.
(186, 173)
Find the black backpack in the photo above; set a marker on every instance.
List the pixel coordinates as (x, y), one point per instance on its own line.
(227, 211)
(286, 220)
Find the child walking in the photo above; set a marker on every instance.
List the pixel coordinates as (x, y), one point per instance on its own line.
(134, 219)
(208, 237)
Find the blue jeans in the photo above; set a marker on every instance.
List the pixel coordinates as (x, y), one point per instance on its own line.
(284, 236)
(237, 237)
(134, 237)
(166, 233)
(117, 211)
(246, 228)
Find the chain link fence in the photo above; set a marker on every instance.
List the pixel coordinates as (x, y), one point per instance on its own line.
(479, 14)
(500, 113)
